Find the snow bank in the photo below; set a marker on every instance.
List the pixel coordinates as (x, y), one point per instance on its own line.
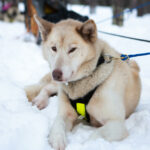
(24, 127)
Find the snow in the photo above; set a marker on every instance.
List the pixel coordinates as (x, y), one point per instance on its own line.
(24, 127)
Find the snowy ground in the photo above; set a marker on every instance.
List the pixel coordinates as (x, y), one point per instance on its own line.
(24, 127)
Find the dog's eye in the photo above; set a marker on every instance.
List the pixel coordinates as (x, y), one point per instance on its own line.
(54, 48)
(72, 50)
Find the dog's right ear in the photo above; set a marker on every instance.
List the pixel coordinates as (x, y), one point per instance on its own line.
(44, 26)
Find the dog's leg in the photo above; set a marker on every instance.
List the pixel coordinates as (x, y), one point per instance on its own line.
(107, 107)
(33, 90)
(41, 100)
(113, 130)
(64, 122)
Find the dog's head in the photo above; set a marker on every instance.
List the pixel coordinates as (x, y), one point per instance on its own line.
(68, 46)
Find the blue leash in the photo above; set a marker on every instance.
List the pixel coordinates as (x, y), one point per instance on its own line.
(125, 57)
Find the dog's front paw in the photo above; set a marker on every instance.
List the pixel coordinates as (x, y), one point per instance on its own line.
(57, 140)
(40, 102)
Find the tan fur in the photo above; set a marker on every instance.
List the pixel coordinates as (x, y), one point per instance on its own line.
(118, 81)
(39, 93)
(33, 90)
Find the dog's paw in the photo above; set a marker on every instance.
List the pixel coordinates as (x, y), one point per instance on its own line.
(57, 140)
(40, 102)
(112, 131)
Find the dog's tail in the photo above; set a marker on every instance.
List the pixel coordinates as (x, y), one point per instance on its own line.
(134, 65)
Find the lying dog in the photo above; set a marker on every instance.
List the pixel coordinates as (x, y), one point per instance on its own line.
(82, 69)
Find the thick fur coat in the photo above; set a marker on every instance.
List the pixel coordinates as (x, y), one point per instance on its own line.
(72, 50)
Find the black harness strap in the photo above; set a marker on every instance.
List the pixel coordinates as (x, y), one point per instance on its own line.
(101, 60)
(85, 99)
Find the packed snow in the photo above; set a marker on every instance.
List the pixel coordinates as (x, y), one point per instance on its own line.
(24, 127)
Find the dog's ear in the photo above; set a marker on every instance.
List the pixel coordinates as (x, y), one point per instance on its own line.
(88, 31)
(44, 26)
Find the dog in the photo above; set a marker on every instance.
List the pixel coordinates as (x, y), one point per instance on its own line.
(82, 66)
(11, 13)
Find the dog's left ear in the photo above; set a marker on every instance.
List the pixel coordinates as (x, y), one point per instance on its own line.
(44, 26)
(88, 31)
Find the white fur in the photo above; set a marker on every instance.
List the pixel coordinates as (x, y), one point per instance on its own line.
(118, 82)
(57, 136)
(41, 100)
(113, 130)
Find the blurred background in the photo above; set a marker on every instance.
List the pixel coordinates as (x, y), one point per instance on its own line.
(56, 10)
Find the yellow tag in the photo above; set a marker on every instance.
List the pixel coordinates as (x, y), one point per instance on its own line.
(81, 109)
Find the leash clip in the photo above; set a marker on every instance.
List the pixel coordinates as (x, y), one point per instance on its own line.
(108, 58)
(124, 57)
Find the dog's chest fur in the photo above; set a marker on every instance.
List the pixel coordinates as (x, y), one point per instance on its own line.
(81, 87)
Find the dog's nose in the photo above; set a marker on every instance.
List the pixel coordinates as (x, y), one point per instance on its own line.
(57, 75)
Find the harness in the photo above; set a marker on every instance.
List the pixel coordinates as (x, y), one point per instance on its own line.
(80, 104)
